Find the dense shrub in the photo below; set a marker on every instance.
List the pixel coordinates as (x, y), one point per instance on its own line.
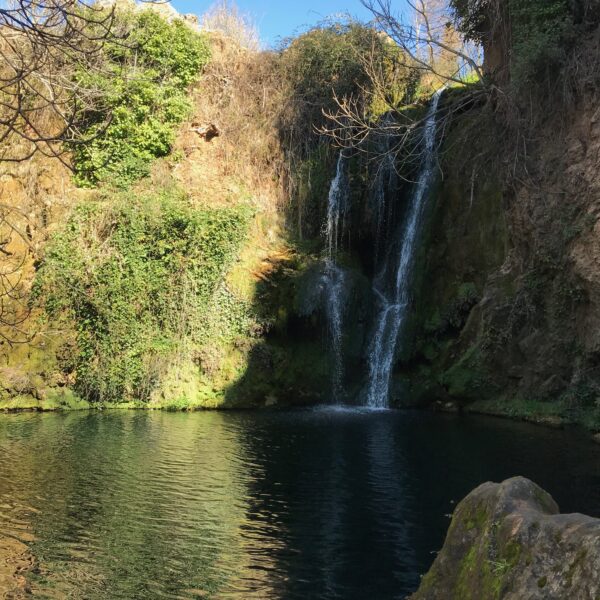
(475, 18)
(343, 60)
(327, 59)
(542, 31)
(333, 60)
(135, 276)
(142, 85)
(537, 35)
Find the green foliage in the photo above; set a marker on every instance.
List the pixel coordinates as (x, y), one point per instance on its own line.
(537, 33)
(136, 277)
(328, 61)
(142, 87)
(474, 17)
(396, 84)
(541, 35)
(500, 567)
(326, 58)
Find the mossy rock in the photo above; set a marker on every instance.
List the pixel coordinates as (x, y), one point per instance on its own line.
(507, 542)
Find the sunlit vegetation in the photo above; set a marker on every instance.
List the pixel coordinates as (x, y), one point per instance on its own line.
(134, 278)
(142, 83)
(185, 289)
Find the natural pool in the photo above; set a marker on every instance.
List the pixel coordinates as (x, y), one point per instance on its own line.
(305, 504)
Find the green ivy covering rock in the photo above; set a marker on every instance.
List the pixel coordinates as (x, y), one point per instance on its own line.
(136, 276)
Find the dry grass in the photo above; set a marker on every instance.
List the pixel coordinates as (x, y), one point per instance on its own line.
(224, 17)
(241, 95)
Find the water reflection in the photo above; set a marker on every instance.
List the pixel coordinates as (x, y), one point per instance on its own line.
(306, 504)
(392, 502)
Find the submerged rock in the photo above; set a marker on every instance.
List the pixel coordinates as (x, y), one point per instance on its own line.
(508, 541)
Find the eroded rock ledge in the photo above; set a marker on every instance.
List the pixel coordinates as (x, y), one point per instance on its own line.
(507, 541)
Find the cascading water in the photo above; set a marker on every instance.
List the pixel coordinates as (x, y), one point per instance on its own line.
(392, 283)
(334, 279)
(337, 205)
(385, 180)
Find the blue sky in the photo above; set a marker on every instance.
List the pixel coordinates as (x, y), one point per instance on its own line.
(276, 18)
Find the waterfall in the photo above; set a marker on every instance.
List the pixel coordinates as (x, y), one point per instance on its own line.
(337, 205)
(391, 285)
(385, 180)
(334, 279)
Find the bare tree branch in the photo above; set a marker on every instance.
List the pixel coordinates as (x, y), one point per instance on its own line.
(428, 50)
(14, 246)
(44, 45)
(407, 37)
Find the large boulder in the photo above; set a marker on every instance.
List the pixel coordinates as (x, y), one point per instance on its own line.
(508, 541)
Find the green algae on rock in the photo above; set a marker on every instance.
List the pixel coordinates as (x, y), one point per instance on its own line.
(508, 541)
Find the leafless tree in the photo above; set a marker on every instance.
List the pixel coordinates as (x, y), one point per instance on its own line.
(430, 51)
(426, 38)
(42, 44)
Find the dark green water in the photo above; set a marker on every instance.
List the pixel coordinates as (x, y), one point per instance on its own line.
(307, 504)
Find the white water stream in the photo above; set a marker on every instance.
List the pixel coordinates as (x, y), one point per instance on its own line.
(335, 276)
(392, 285)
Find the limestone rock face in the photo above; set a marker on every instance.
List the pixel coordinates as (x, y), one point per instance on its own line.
(508, 541)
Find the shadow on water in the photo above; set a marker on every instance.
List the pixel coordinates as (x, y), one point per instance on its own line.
(321, 503)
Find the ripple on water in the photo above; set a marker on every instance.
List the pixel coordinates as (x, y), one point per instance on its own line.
(331, 502)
